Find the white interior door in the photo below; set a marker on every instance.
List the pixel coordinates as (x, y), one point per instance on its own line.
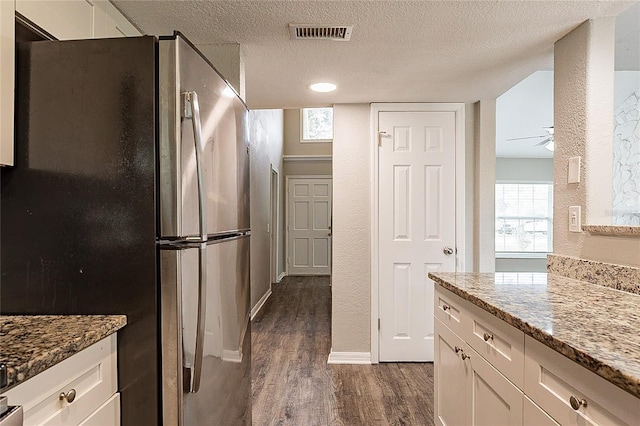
(416, 226)
(309, 226)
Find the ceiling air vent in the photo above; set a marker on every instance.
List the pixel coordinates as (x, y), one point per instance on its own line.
(320, 32)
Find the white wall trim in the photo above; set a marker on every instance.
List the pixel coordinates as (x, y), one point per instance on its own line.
(281, 276)
(260, 303)
(376, 108)
(349, 358)
(232, 356)
(317, 157)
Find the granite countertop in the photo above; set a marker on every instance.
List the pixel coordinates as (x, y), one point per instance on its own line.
(29, 344)
(595, 326)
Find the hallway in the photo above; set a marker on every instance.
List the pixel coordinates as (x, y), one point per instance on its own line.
(292, 384)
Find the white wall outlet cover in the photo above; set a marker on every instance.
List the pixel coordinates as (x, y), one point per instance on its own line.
(575, 221)
(573, 175)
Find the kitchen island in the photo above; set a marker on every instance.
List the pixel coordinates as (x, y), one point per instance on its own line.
(594, 328)
(30, 344)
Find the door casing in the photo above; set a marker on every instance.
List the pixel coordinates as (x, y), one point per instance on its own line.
(376, 108)
(288, 218)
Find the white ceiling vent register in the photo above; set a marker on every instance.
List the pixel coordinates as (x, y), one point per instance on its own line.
(320, 32)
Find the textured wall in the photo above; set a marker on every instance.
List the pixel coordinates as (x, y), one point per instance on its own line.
(292, 145)
(308, 168)
(265, 133)
(228, 60)
(485, 169)
(583, 101)
(351, 280)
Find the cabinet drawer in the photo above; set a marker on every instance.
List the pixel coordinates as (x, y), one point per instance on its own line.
(498, 342)
(551, 379)
(535, 416)
(91, 372)
(449, 309)
(493, 399)
(107, 415)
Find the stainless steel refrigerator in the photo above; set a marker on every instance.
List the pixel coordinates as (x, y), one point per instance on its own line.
(130, 195)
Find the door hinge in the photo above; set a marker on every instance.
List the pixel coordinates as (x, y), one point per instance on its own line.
(378, 323)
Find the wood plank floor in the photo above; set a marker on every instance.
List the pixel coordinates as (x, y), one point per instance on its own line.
(292, 384)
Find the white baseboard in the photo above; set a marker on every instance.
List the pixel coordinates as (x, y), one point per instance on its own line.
(260, 303)
(349, 358)
(232, 356)
(281, 276)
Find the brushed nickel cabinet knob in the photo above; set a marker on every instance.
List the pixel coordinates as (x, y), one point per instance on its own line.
(487, 337)
(69, 396)
(577, 403)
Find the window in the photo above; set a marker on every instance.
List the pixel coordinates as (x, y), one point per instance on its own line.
(524, 218)
(316, 125)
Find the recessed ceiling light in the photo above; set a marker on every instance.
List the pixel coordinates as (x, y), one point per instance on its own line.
(322, 87)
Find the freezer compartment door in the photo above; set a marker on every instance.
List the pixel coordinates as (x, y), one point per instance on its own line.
(224, 162)
(222, 360)
(180, 282)
(225, 389)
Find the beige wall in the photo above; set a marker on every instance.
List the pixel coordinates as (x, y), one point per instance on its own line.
(292, 145)
(265, 133)
(485, 174)
(308, 168)
(583, 109)
(228, 60)
(351, 280)
(524, 169)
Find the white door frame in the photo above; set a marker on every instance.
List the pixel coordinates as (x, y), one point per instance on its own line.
(274, 228)
(286, 220)
(377, 108)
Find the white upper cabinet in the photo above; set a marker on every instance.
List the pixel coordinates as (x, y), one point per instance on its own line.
(75, 19)
(117, 25)
(7, 58)
(64, 20)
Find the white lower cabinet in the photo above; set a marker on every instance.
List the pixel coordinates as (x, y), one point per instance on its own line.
(555, 382)
(488, 373)
(535, 416)
(75, 391)
(469, 391)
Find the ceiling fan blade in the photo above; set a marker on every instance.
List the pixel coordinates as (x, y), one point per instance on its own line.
(529, 137)
(544, 141)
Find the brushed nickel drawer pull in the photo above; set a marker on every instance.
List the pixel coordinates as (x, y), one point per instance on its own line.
(465, 356)
(577, 403)
(445, 307)
(457, 349)
(487, 337)
(69, 396)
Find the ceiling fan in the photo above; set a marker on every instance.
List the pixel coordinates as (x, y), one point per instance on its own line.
(547, 142)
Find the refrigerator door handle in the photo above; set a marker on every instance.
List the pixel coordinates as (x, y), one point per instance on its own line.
(196, 374)
(191, 110)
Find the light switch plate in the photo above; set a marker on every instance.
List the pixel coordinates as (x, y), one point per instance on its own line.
(573, 175)
(575, 221)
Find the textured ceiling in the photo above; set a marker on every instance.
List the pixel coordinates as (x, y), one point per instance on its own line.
(400, 51)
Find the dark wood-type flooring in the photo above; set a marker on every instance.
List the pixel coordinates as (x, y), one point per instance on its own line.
(292, 384)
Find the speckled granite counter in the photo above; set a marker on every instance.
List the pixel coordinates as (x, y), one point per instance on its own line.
(29, 344)
(595, 326)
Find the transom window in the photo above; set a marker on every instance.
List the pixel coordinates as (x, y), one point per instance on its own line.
(524, 218)
(316, 125)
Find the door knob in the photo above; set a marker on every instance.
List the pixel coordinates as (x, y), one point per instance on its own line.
(448, 251)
